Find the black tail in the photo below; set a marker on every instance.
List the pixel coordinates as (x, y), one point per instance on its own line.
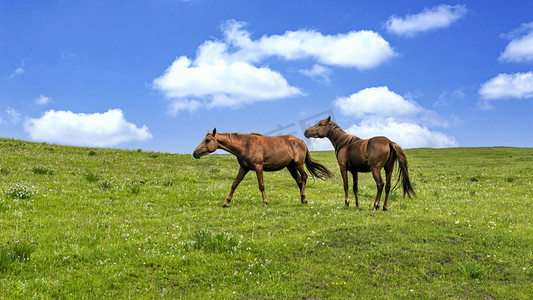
(403, 172)
(316, 169)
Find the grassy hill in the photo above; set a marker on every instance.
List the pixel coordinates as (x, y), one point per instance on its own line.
(95, 223)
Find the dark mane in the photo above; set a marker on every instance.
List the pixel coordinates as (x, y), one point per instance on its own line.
(339, 137)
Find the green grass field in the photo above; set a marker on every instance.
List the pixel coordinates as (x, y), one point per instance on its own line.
(106, 223)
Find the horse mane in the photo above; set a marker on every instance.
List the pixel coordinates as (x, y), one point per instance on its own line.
(339, 137)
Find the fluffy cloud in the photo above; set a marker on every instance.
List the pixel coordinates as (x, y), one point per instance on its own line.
(42, 100)
(505, 86)
(437, 17)
(378, 101)
(225, 73)
(98, 129)
(14, 116)
(223, 83)
(318, 73)
(406, 134)
(383, 112)
(520, 48)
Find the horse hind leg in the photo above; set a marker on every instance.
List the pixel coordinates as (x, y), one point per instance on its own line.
(299, 181)
(301, 170)
(388, 179)
(376, 173)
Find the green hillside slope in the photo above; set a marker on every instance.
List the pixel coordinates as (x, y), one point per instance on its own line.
(106, 223)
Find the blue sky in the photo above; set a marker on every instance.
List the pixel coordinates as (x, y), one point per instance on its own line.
(156, 75)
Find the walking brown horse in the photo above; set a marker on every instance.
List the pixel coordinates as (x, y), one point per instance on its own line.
(357, 155)
(264, 153)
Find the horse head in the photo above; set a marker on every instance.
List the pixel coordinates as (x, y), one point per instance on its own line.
(208, 145)
(319, 130)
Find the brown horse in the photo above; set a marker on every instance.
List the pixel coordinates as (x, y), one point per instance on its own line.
(264, 153)
(357, 155)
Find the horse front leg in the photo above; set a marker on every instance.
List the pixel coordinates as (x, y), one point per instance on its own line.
(355, 188)
(259, 171)
(240, 176)
(345, 184)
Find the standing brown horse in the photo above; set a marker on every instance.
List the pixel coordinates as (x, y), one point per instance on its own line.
(357, 155)
(264, 153)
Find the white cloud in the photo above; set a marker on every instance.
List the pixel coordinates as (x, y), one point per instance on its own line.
(18, 71)
(42, 100)
(406, 134)
(98, 129)
(384, 113)
(437, 17)
(13, 115)
(378, 101)
(318, 73)
(222, 83)
(505, 86)
(520, 48)
(224, 73)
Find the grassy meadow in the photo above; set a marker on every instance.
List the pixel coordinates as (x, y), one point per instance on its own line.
(108, 223)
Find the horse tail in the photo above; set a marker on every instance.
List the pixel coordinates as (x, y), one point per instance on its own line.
(403, 172)
(316, 169)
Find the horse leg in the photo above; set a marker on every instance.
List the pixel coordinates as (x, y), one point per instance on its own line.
(240, 176)
(376, 173)
(388, 178)
(259, 171)
(345, 184)
(355, 189)
(298, 179)
(301, 170)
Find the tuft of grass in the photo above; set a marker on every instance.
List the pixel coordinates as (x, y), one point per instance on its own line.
(106, 185)
(92, 153)
(15, 250)
(91, 177)
(471, 269)
(4, 171)
(210, 242)
(135, 189)
(42, 170)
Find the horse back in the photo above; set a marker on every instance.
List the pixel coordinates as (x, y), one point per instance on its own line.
(279, 151)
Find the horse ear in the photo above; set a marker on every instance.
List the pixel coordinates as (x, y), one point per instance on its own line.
(214, 131)
(329, 119)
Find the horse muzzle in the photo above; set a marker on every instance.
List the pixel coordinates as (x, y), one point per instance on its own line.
(309, 134)
(197, 154)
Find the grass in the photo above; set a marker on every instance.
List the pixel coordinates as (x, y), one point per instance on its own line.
(134, 224)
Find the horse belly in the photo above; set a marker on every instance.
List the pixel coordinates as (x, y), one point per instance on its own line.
(359, 168)
(276, 163)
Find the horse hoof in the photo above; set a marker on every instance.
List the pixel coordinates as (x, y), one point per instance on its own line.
(347, 204)
(376, 207)
(385, 209)
(225, 206)
(304, 202)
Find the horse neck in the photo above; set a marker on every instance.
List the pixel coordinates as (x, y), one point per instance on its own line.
(230, 142)
(339, 138)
